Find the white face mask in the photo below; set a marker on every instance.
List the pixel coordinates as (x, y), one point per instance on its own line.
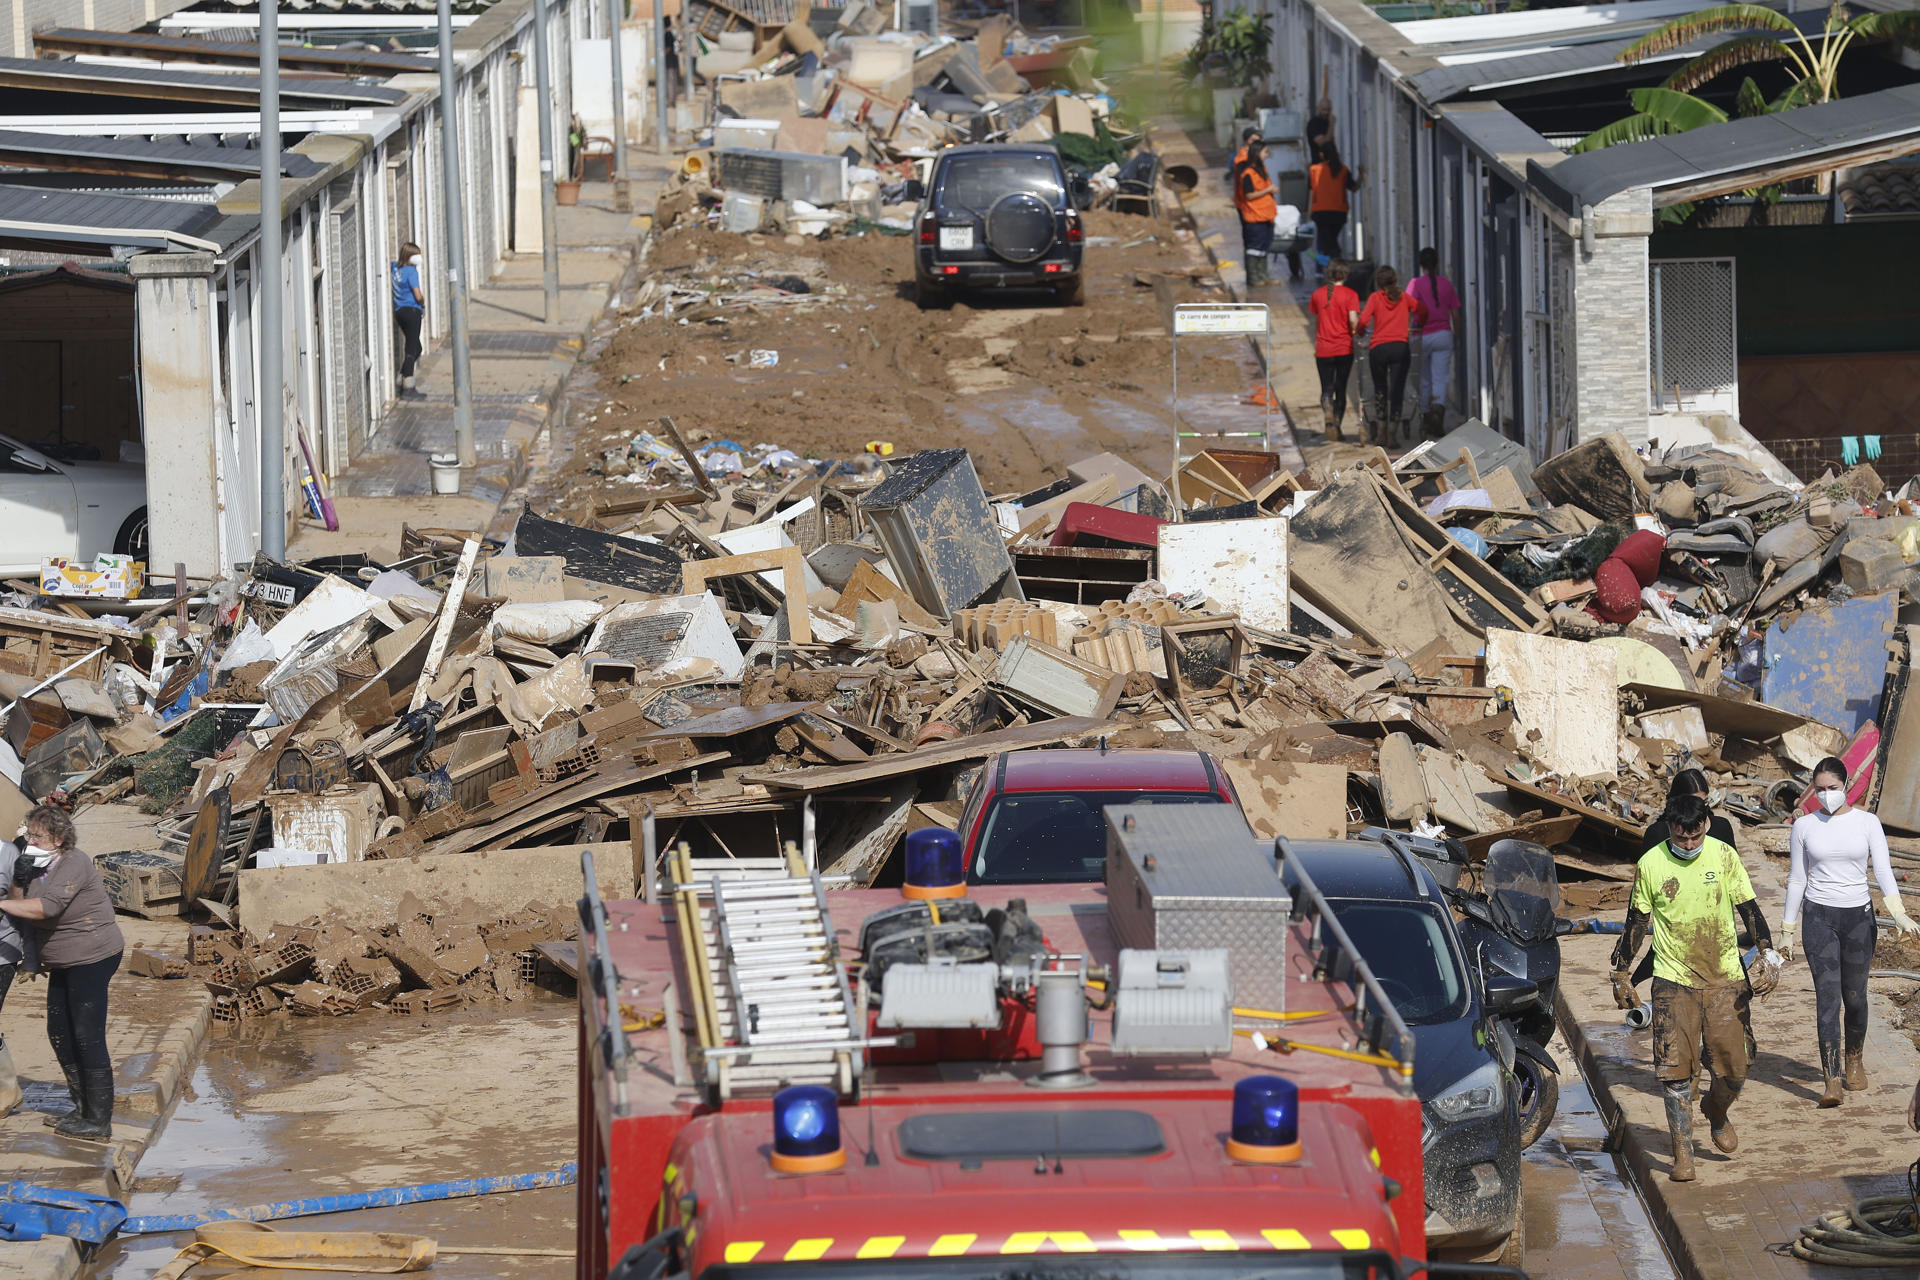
(1833, 799)
(414, 261)
(37, 856)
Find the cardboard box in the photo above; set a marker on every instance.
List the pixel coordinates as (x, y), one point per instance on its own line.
(110, 577)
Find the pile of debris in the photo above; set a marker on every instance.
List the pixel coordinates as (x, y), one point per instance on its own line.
(428, 961)
(823, 117)
(810, 659)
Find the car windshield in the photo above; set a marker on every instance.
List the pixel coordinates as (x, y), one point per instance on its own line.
(1056, 837)
(1407, 948)
(976, 181)
(1249, 1265)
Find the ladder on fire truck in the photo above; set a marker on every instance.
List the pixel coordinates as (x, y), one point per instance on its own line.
(771, 1004)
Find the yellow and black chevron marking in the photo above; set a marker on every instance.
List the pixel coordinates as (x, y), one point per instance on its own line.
(956, 1244)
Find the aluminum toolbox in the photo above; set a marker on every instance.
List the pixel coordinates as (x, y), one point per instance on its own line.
(939, 534)
(1186, 877)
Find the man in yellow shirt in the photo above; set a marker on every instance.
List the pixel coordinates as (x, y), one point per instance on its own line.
(1689, 889)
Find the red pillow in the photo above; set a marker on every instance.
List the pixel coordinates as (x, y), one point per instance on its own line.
(1616, 592)
(1640, 551)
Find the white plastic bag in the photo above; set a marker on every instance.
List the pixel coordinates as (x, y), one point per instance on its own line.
(547, 622)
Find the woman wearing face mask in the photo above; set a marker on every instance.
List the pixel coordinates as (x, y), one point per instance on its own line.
(80, 947)
(1831, 849)
(409, 306)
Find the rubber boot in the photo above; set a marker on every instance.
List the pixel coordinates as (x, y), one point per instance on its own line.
(1718, 1102)
(1330, 425)
(74, 1092)
(1680, 1126)
(94, 1120)
(1830, 1068)
(1855, 1076)
(10, 1094)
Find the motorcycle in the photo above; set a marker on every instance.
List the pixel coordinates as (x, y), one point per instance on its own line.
(1513, 927)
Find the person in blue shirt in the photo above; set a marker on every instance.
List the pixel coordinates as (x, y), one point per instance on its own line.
(408, 308)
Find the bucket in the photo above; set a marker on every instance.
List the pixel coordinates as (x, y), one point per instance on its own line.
(446, 473)
(566, 191)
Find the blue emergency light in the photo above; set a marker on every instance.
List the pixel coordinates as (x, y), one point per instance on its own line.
(1266, 1121)
(936, 865)
(806, 1130)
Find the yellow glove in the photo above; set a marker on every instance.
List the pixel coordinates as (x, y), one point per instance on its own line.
(1897, 912)
(1784, 944)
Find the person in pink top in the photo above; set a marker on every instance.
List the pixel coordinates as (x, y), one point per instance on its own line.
(1435, 339)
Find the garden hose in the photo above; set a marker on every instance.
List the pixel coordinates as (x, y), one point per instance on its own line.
(1879, 1231)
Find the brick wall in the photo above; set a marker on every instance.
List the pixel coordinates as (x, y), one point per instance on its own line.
(1610, 321)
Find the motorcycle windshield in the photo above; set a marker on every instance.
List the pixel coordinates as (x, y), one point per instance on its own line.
(1523, 889)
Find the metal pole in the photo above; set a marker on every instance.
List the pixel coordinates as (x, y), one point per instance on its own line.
(549, 238)
(663, 138)
(273, 432)
(622, 188)
(456, 241)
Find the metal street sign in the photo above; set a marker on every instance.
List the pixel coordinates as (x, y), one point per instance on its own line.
(1217, 319)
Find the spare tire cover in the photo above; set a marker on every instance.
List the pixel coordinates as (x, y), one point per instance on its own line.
(1020, 227)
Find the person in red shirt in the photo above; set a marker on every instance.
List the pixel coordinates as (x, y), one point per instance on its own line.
(1254, 201)
(1388, 318)
(1336, 311)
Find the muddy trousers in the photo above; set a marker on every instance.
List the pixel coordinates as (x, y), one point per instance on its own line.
(1839, 946)
(1686, 1017)
(1389, 361)
(77, 1013)
(1335, 373)
(1256, 239)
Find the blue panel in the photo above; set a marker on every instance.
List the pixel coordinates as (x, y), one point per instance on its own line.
(1831, 663)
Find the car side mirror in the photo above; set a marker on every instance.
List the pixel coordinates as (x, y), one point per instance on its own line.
(1508, 994)
(916, 190)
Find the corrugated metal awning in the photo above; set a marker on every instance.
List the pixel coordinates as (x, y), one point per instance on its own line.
(139, 158)
(66, 40)
(225, 88)
(84, 221)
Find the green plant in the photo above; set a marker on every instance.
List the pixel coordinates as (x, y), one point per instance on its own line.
(1767, 35)
(1235, 48)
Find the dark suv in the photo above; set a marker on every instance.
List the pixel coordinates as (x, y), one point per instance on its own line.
(999, 216)
(1392, 907)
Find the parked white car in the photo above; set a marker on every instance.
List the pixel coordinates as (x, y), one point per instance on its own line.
(71, 509)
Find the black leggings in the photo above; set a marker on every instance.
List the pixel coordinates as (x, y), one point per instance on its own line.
(1328, 224)
(408, 318)
(1839, 946)
(1389, 362)
(77, 1013)
(1335, 373)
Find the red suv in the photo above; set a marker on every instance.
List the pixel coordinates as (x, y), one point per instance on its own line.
(1036, 817)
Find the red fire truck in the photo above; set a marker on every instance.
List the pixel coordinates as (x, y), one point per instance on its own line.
(1158, 1075)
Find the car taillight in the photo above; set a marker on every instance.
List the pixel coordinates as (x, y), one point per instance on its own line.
(929, 229)
(1074, 233)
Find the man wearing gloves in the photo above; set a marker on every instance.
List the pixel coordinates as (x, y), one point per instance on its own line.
(12, 953)
(1688, 890)
(1827, 892)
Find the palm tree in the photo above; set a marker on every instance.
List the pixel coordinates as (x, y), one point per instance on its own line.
(1657, 112)
(1767, 35)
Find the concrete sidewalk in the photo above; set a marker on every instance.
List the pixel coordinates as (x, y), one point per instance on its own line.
(1795, 1161)
(519, 362)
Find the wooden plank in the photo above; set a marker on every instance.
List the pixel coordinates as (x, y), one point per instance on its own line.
(825, 777)
(1754, 721)
(1545, 831)
(1613, 825)
(1565, 690)
(528, 809)
(695, 574)
(686, 455)
(449, 610)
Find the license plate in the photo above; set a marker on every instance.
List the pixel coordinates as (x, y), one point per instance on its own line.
(956, 237)
(271, 592)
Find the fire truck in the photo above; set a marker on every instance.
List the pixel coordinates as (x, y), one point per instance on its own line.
(1164, 1073)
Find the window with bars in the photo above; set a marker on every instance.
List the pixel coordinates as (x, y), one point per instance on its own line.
(1693, 336)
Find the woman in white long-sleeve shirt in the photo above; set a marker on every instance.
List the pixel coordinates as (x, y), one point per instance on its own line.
(1832, 848)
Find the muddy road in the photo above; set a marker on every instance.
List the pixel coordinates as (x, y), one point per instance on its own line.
(1028, 385)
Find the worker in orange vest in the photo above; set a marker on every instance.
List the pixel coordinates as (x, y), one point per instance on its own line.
(1253, 199)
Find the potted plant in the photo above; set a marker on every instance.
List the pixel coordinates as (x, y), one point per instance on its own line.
(567, 190)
